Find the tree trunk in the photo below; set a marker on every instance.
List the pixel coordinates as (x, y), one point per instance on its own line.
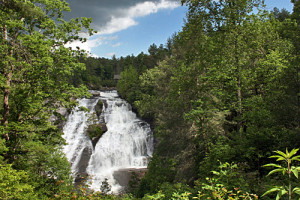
(8, 76)
(239, 84)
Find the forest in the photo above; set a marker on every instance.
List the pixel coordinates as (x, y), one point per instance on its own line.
(222, 96)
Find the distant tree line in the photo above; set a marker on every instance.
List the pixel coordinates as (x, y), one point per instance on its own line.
(100, 72)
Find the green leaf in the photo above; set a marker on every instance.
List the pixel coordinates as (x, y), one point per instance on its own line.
(295, 171)
(298, 168)
(272, 165)
(283, 171)
(274, 189)
(275, 171)
(281, 153)
(296, 158)
(296, 190)
(215, 172)
(281, 193)
(293, 152)
(279, 158)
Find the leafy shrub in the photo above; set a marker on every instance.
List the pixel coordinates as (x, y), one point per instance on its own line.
(13, 184)
(98, 108)
(94, 130)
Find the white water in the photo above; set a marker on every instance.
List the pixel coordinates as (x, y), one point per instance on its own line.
(74, 135)
(128, 143)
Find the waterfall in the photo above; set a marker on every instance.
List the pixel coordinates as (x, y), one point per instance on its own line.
(127, 144)
(78, 144)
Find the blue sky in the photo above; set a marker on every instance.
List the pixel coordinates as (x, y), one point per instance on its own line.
(155, 28)
(127, 27)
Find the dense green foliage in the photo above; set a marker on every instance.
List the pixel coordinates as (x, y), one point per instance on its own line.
(99, 72)
(35, 68)
(227, 92)
(98, 108)
(94, 130)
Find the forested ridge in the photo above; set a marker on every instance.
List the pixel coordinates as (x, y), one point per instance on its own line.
(223, 97)
(226, 95)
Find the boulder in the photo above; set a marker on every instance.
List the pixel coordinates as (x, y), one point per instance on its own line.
(94, 93)
(103, 127)
(59, 116)
(95, 140)
(127, 175)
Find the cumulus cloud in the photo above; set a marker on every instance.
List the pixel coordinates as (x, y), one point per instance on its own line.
(91, 43)
(112, 16)
(125, 18)
(102, 11)
(116, 25)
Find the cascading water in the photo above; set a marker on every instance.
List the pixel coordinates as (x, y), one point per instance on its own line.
(78, 144)
(127, 144)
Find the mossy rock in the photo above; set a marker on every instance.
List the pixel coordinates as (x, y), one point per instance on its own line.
(98, 108)
(94, 130)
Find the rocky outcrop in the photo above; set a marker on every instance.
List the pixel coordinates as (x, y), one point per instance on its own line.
(83, 163)
(127, 176)
(103, 127)
(94, 93)
(59, 116)
(95, 131)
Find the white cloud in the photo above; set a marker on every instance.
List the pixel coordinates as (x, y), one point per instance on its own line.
(116, 25)
(116, 45)
(126, 18)
(88, 45)
(122, 19)
(148, 7)
(92, 43)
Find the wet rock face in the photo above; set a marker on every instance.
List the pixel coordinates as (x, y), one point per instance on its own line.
(84, 160)
(59, 116)
(82, 165)
(125, 176)
(95, 140)
(103, 127)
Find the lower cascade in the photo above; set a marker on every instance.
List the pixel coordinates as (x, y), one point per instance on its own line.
(127, 144)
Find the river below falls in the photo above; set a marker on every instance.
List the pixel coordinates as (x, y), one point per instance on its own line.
(127, 144)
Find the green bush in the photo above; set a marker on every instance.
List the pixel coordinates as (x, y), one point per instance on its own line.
(14, 185)
(94, 130)
(98, 108)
